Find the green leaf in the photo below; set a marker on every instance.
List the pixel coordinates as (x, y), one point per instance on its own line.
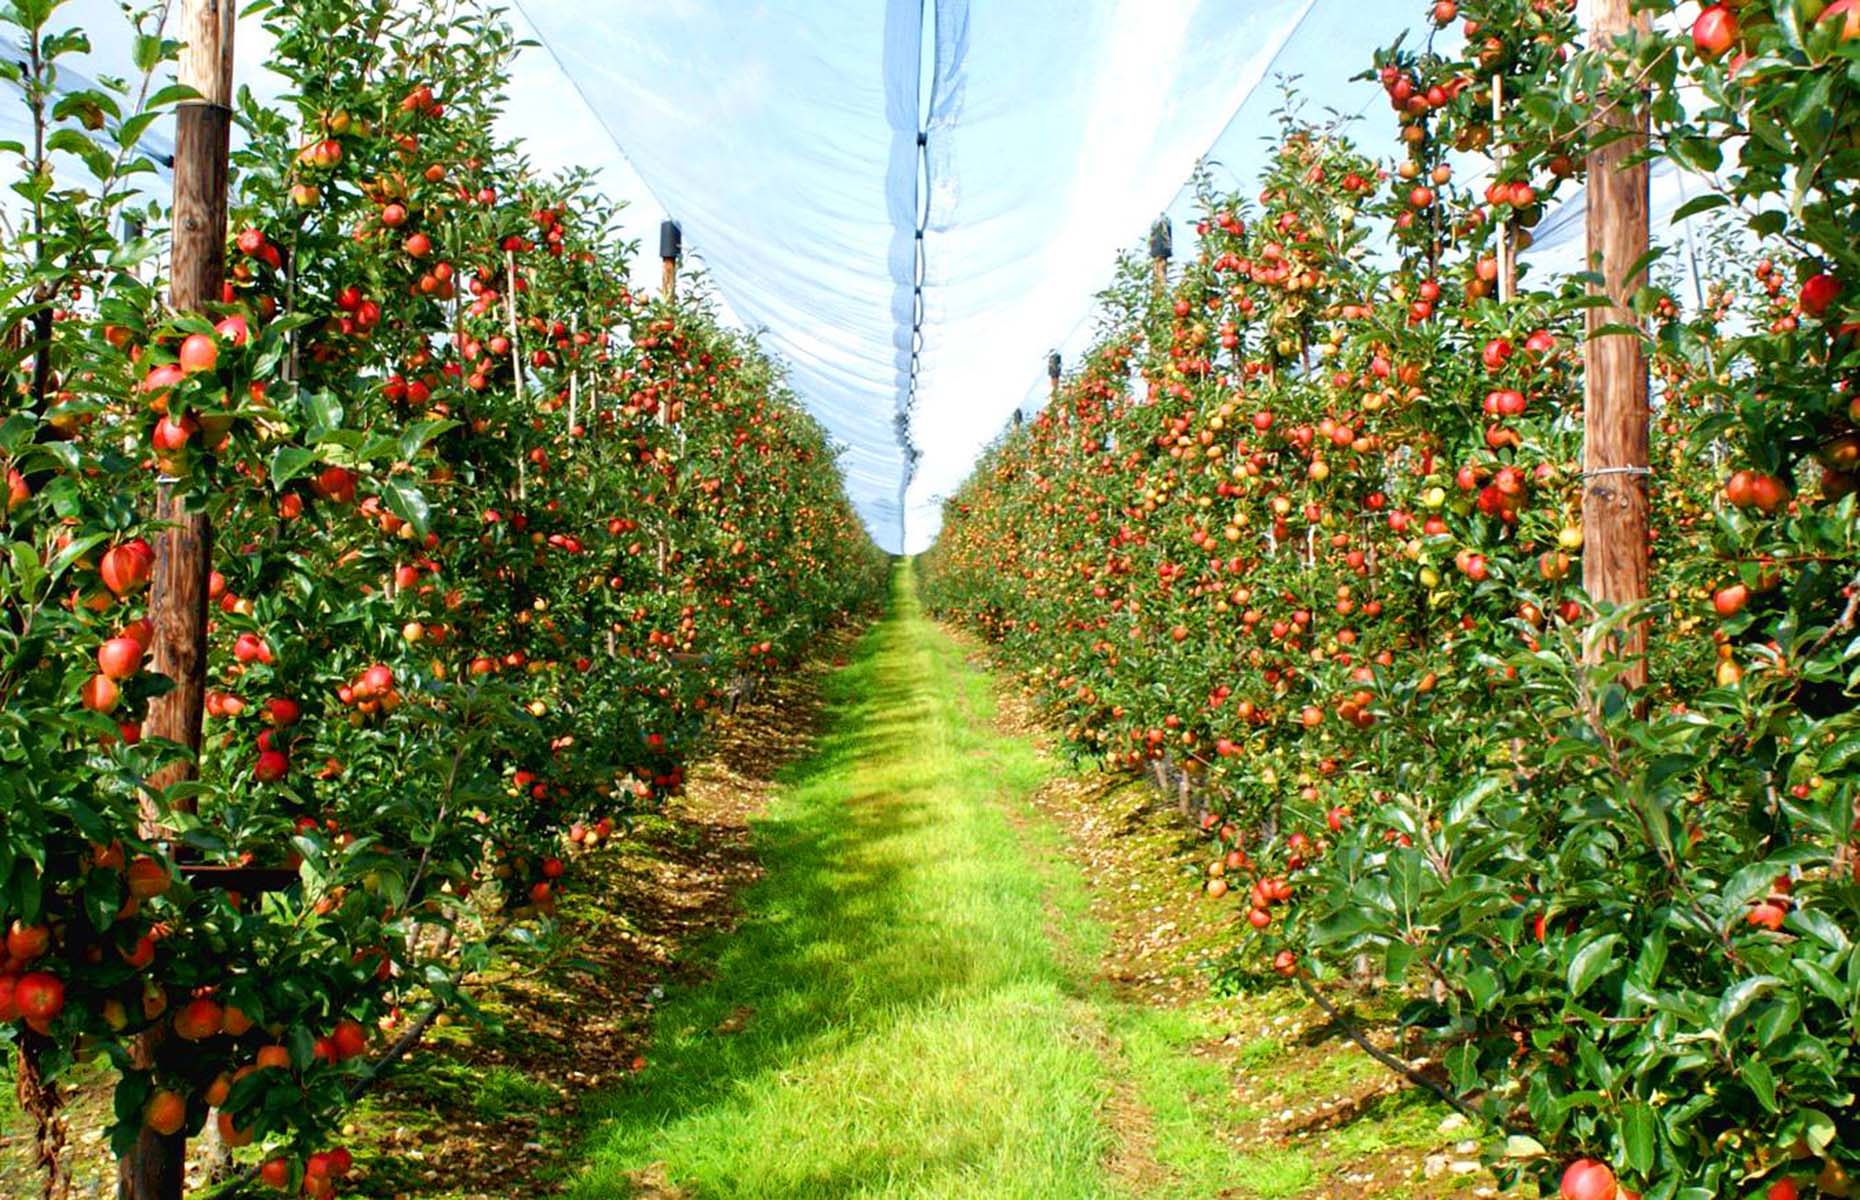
(1640, 1131)
(1517, 1145)
(324, 412)
(76, 550)
(1697, 205)
(1735, 1001)
(1590, 963)
(408, 503)
(1756, 1073)
(288, 462)
(174, 93)
(1467, 802)
(1769, 224)
(417, 434)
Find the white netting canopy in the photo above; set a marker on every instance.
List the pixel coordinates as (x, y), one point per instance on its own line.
(915, 200)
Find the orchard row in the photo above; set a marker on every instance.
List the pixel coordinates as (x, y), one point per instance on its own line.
(1306, 528)
(494, 538)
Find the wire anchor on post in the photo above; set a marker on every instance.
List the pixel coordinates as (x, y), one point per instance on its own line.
(1162, 249)
(671, 252)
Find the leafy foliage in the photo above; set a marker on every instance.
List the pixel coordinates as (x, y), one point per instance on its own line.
(1305, 530)
(494, 537)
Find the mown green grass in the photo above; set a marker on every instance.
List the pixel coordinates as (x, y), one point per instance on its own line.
(891, 1018)
(907, 1009)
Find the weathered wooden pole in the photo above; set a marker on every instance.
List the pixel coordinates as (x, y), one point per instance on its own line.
(1162, 248)
(516, 361)
(671, 249)
(155, 1167)
(1615, 419)
(1507, 249)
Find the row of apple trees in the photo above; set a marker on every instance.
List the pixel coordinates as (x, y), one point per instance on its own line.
(493, 539)
(1307, 526)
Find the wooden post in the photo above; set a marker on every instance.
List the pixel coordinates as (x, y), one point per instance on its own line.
(1614, 452)
(574, 376)
(1162, 239)
(516, 364)
(671, 249)
(155, 1167)
(1507, 251)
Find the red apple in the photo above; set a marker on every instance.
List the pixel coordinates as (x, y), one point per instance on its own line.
(1822, 290)
(1714, 32)
(39, 996)
(271, 766)
(1587, 1179)
(126, 568)
(199, 353)
(120, 657)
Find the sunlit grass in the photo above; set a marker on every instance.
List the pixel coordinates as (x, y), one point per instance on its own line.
(892, 1018)
(910, 1006)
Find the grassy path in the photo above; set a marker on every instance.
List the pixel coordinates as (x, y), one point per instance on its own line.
(905, 1010)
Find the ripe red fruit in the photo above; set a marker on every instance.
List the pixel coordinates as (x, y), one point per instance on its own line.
(1714, 32)
(282, 711)
(1769, 493)
(235, 1021)
(99, 694)
(1587, 1179)
(349, 1039)
(126, 568)
(1767, 916)
(39, 996)
(276, 1173)
(148, 878)
(27, 942)
(249, 648)
(233, 329)
(165, 1113)
(199, 1020)
(199, 353)
(171, 435)
(1729, 601)
(1821, 291)
(335, 484)
(418, 245)
(271, 766)
(1782, 1189)
(120, 657)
